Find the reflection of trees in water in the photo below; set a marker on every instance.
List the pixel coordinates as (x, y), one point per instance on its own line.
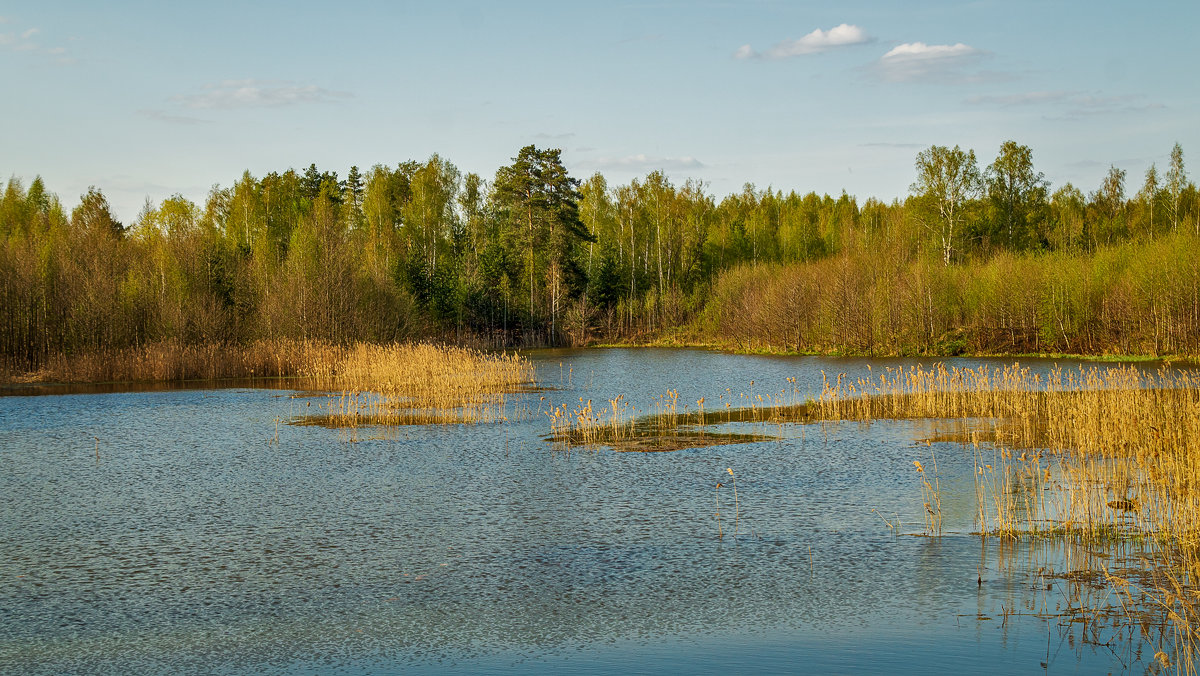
(1105, 598)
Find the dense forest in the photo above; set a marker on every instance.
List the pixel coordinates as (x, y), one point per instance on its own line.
(976, 259)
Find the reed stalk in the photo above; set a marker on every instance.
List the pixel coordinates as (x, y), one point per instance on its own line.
(736, 510)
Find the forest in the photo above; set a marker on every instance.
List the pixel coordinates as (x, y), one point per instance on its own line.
(977, 258)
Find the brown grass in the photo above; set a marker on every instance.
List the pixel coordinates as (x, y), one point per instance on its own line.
(1120, 443)
(405, 384)
(377, 384)
(173, 360)
(1097, 455)
(665, 427)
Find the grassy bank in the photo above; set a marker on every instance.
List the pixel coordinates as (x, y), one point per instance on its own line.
(173, 360)
(766, 349)
(394, 369)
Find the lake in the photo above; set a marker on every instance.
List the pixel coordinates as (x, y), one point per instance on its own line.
(211, 536)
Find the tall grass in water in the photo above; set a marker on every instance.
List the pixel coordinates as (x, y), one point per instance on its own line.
(418, 384)
(618, 423)
(1124, 443)
(1096, 454)
(584, 425)
(931, 493)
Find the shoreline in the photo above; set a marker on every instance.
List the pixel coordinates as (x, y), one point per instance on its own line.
(175, 367)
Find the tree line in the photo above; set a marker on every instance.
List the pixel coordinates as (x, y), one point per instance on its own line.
(531, 256)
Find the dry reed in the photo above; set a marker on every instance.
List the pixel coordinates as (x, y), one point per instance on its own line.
(174, 360)
(1121, 442)
(404, 384)
(1099, 455)
(666, 427)
(931, 493)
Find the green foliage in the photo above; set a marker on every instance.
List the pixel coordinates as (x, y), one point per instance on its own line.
(972, 261)
(1016, 199)
(948, 180)
(94, 216)
(539, 203)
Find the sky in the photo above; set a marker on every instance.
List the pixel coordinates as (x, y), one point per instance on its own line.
(149, 99)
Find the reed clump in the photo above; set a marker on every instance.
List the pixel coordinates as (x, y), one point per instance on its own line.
(1118, 445)
(405, 384)
(1095, 455)
(666, 427)
(618, 423)
(584, 425)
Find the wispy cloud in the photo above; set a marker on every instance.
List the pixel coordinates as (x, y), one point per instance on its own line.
(1074, 104)
(1021, 99)
(163, 116)
(256, 94)
(553, 137)
(23, 41)
(946, 64)
(642, 162)
(843, 35)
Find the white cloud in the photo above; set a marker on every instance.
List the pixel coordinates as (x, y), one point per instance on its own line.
(815, 42)
(29, 33)
(641, 162)
(256, 94)
(745, 52)
(922, 51)
(913, 61)
(543, 136)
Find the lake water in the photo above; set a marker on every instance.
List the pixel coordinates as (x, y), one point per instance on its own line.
(208, 538)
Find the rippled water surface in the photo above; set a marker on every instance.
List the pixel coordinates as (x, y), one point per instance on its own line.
(203, 540)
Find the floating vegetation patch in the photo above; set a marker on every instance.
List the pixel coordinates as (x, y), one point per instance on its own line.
(616, 424)
(682, 439)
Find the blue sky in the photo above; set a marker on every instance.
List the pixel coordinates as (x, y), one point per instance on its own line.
(150, 99)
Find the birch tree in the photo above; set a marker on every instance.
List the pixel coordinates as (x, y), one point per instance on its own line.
(947, 180)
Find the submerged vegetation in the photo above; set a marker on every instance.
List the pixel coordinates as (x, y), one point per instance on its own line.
(420, 251)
